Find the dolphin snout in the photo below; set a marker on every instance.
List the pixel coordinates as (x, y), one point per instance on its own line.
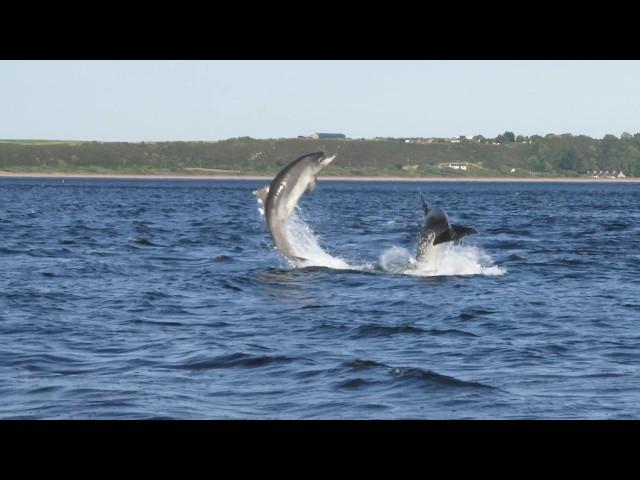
(327, 160)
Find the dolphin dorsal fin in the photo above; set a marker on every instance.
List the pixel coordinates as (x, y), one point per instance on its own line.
(262, 193)
(425, 205)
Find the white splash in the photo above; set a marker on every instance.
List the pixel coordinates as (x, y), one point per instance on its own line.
(396, 260)
(443, 259)
(305, 244)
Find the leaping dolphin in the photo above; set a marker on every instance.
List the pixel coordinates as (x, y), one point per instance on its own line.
(282, 195)
(436, 229)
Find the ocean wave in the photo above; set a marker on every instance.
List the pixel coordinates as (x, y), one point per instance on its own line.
(401, 377)
(234, 360)
(376, 330)
(142, 241)
(429, 377)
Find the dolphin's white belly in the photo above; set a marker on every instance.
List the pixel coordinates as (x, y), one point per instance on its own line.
(288, 198)
(283, 194)
(285, 200)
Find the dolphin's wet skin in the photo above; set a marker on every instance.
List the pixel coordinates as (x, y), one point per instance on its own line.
(148, 299)
(437, 230)
(281, 197)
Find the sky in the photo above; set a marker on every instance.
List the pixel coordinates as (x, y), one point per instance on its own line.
(212, 100)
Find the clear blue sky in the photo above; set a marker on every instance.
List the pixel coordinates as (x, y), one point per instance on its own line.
(212, 100)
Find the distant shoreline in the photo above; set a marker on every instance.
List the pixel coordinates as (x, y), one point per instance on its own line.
(324, 178)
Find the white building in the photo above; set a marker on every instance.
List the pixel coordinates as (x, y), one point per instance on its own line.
(458, 166)
(318, 136)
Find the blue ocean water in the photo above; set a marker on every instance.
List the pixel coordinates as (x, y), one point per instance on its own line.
(128, 299)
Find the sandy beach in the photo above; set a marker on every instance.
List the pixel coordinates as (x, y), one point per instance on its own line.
(323, 178)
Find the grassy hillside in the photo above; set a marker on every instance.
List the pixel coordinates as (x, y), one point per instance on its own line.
(549, 156)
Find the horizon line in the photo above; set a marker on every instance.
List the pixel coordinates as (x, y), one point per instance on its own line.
(308, 137)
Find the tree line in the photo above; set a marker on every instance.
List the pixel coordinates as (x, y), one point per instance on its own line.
(564, 155)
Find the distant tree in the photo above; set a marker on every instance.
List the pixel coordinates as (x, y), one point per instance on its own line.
(611, 152)
(479, 139)
(506, 137)
(626, 136)
(533, 138)
(509, 137)
(571, 160)
(538, 164)
(519, 139)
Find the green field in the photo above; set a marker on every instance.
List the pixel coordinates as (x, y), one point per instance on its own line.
(550, 156)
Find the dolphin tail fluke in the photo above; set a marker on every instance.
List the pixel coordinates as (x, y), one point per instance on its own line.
(460, 231)
(425, 205)
(443, 237)
(455, 233)
(262, 193)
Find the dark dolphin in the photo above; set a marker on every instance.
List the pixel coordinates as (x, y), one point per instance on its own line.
(436, 229)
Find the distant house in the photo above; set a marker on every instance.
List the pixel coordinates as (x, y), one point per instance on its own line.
(606, 174)
(458, 166)
(318, 136)
(421, 140)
